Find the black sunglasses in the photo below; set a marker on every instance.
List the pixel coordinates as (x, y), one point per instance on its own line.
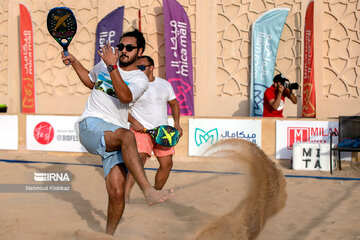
(143, 67)
(128, 47)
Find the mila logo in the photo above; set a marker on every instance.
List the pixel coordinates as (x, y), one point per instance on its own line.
(52, 177)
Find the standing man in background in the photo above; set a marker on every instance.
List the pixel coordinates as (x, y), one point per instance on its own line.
(150, 111)
(274, 97)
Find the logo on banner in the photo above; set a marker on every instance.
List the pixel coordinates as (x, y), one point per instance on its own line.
(259, 90)
(201, 135)
(297, 134)
(309, 109)
(28, 100)
(181, 89)
(44, 133)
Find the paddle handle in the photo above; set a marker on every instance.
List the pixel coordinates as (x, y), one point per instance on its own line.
(66, 53)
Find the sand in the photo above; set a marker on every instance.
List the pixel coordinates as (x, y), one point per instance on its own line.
(236, 192)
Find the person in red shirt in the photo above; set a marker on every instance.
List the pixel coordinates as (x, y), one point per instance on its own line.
(274, 97)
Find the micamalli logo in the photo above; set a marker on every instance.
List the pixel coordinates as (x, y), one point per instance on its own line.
(52, 177)
(44, 133)
(201, 135)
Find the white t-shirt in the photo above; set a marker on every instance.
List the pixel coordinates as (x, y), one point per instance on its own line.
(151, 108)
(103, 102)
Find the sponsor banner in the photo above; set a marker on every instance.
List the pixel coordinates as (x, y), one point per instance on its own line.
(266, 33)
(9, 132)
(109, 30)
(290, 132)
(52, 133)
(203, 133)
(309, 99)
(179, 69)
(27, 61)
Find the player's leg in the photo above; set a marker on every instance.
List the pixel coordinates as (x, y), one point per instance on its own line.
(163, 172)
(165, 158)
(115, 185)
(124, 140)
(144, 145)
(130, 181)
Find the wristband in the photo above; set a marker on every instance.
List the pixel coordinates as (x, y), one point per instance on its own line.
(111, 67)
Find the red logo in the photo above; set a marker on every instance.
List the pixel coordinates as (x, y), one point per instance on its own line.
(297, 134)
(44, 133)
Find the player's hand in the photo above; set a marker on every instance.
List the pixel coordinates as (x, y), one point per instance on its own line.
(108, 56)
(67, 60)
(138, 127)
(177, 126)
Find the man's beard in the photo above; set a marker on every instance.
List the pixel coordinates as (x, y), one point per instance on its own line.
(129, 62)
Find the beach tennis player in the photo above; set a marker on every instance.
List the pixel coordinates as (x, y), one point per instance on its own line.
(149, 112)
(115, 82)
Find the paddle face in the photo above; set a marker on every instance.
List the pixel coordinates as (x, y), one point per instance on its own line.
(165, 135)
(61, 24)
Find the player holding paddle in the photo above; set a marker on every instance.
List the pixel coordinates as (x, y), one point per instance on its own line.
(150, 111)
(115, 82)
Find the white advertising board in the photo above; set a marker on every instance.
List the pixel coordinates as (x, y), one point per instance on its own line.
(312, 156)
(290, 132)
(203, 133)
(9, 132)
(52, 133)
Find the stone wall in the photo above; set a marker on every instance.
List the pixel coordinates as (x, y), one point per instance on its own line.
(221, 43)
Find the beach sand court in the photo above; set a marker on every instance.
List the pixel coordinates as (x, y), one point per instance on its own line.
(237, 193)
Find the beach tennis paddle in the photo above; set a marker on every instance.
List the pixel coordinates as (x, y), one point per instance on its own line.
(61, 24)
(164, 135)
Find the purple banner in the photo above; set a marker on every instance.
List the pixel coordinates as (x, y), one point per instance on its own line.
(109, 29)
(179, 70)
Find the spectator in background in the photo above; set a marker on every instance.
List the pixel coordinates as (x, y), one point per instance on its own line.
(274, 96)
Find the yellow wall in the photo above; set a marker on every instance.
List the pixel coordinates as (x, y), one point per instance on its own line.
(221, 33)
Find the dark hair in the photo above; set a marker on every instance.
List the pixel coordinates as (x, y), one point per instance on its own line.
(280, 78)
(140, 40)
(150, 60)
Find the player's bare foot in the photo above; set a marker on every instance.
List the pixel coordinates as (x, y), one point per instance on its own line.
(154, 196)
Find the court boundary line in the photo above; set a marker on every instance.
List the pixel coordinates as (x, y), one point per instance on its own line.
(180, 170)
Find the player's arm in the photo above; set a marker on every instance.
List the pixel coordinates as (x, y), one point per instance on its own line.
(121, 89)
(175, 112)
(80, 70)
(136, 125)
